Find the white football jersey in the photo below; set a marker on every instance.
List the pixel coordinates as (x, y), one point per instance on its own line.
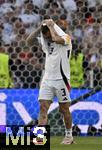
(57, 59)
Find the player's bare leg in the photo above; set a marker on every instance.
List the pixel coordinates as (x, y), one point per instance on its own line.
(44, 106)
(64, 109)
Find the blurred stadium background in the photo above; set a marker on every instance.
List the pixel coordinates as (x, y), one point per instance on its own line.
(82, 19)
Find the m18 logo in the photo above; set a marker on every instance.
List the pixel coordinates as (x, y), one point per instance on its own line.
(36, 137)
(19, 135)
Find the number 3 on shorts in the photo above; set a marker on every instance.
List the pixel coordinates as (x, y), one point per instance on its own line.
(63, 92)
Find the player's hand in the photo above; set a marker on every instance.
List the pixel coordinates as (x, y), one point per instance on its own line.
(48, 22)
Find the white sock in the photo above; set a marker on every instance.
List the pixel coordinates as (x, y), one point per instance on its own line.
(68, 132)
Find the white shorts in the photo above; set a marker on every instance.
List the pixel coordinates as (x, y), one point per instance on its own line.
(51, 88)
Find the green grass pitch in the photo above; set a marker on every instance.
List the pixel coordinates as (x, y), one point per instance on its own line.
(82, 143)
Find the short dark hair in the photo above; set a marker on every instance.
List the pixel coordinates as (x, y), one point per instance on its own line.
(44, 29)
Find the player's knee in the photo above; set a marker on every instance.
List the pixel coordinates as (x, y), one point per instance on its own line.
(44, 107)
(63, 110)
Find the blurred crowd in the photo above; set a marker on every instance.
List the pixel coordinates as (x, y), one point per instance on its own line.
(82, 19)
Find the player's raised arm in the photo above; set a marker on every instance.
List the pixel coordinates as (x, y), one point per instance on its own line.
(55, 37)
(32, 36)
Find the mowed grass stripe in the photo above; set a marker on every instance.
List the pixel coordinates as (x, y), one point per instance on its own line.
(83, 143)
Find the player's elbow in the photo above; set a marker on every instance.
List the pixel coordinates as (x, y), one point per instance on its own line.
(59, 40)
